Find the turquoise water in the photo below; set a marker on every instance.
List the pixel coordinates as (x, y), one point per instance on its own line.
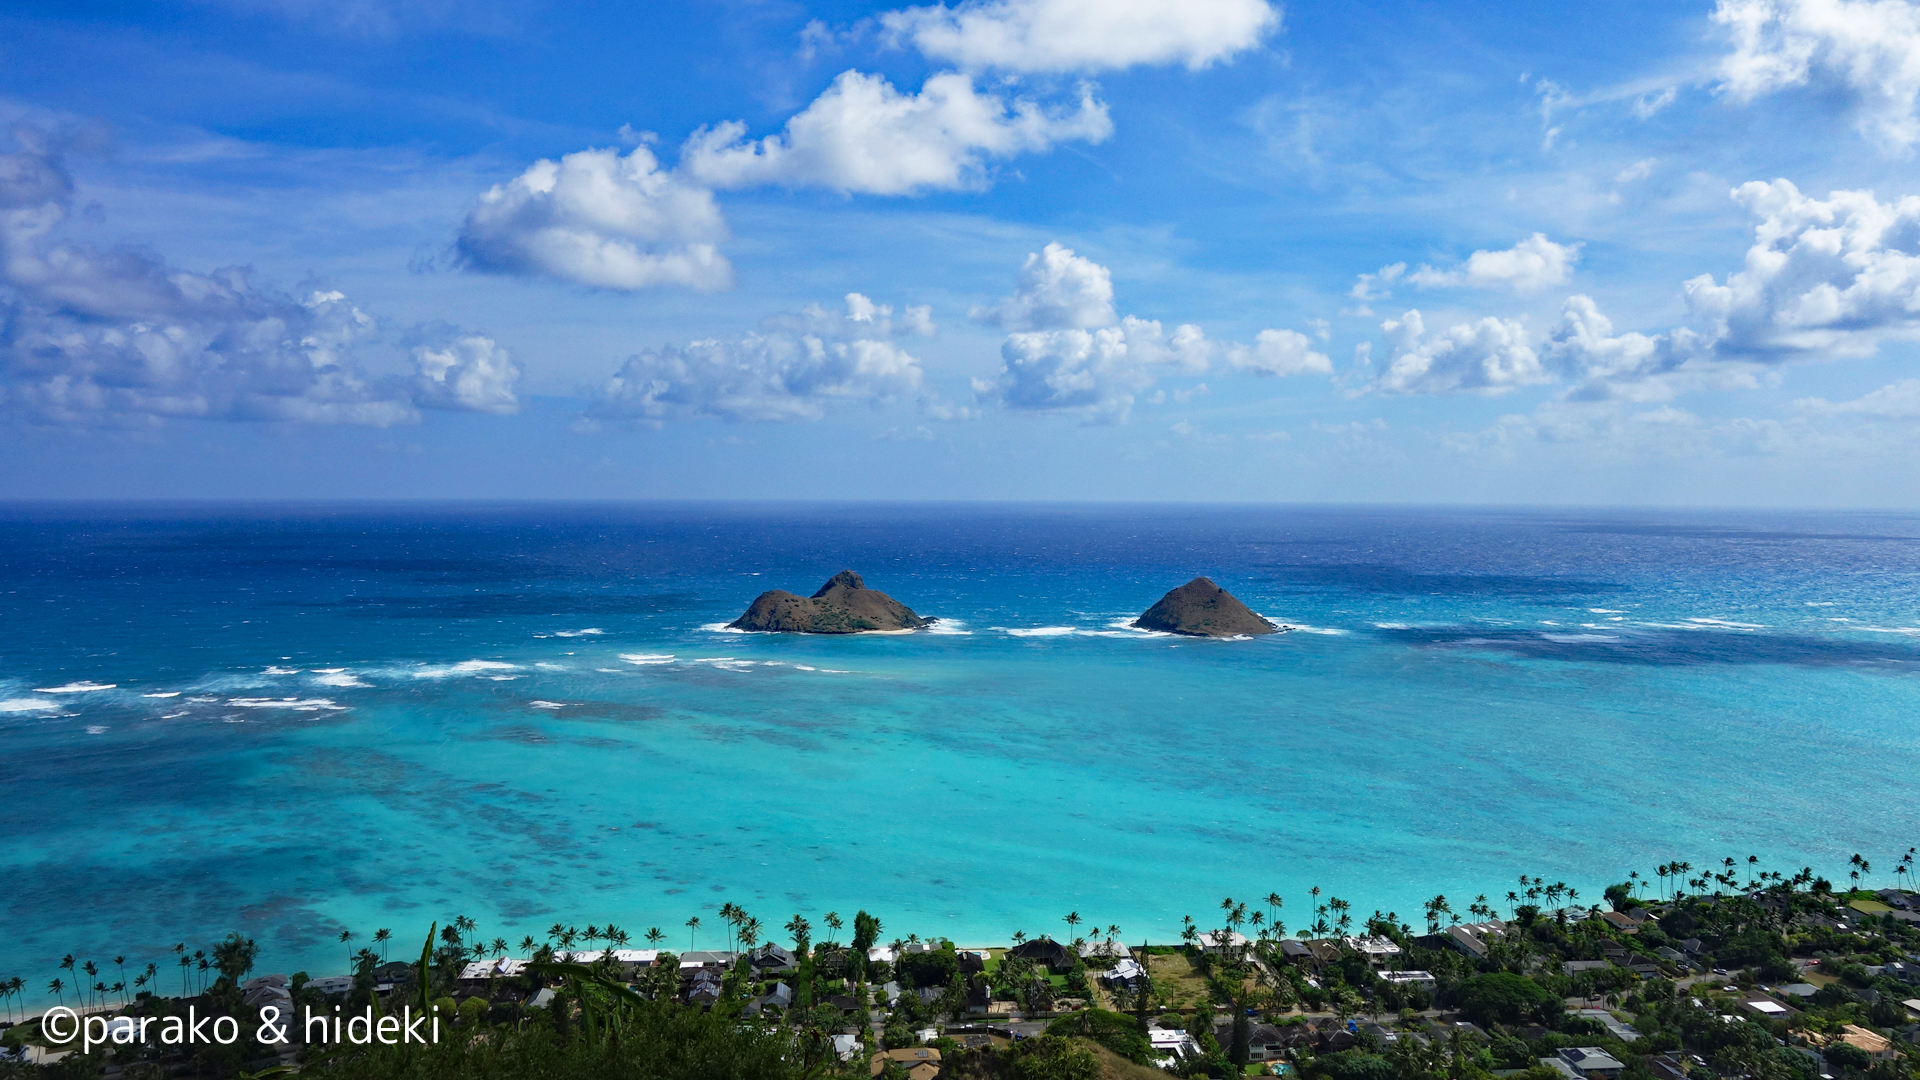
(526, 714)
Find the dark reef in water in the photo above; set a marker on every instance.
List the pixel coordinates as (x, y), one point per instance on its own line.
(1202, 609)
(844, 605)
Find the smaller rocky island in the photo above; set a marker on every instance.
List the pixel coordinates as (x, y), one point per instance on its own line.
(844, 605)
(1202, 609)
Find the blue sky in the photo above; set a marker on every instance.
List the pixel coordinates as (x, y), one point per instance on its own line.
(1027, 249)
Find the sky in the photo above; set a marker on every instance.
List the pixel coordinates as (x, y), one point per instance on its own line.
(1211, 250)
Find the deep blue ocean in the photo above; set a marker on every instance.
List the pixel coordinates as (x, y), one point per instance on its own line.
(294, 720)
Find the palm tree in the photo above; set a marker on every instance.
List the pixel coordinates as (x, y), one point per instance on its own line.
(693, 925)
(1019, 936)
(527, 945)
(832, 919)
(380, 938)
(749, 933)
(1513, 903)
(1633, 883)
(346, 936)
(802, 932)
(186, 965)
(1072, 919)
(93, 972)
(66, 964)
(58, 990)
(1274, 903)
(121, 963)
(1113, 931)
(654, 936)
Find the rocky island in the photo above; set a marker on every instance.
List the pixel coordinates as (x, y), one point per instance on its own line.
(844, 605)
(1202, 609)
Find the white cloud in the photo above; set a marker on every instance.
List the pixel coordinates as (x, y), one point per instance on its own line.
(117, 336)
(1490, 356)
(1897, 401)
(1070, 357)
(1529, 266)
(471, 373)
(1646, 106)
(1083, 35)
(1868, 49)
(862, 135)
(1056, 290)
(1093, 373)
(792, 371)
(1280, 352)
(1370, 287)
(1824, 280)
(599, 219)
(1639, 170)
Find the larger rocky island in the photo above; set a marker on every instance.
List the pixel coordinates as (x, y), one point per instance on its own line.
(1202, 609)
(844, 605)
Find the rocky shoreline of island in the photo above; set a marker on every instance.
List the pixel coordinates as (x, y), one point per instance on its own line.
(845, 605)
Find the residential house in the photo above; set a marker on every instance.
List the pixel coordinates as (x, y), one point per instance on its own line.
(703, 988)
(1265, 1042)
(1295, 952)
(1592, 1063)
(1218, 942)
(1102, 950)
(1171, 1046)
(780, 997)
(1419, 980)
(1671, 955)
(846, 1047)
(921, 1062)
(1125, 975)
(1379, 951)
(716, 959)
(1575, 967)
(332, 984)
(1042, 950)
(972, 961)
(1619, 921)
(771, 959)
(1621, 1030)
(1475, 939)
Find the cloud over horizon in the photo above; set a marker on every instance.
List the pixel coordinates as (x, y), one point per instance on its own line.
(117, 336)
(793, 370)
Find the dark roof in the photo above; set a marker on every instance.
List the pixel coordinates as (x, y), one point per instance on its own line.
(1046, 951)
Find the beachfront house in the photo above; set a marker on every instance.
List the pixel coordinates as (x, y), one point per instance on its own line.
(771, 959)
(1219, 942)
(1379, 951)
(1043, 950)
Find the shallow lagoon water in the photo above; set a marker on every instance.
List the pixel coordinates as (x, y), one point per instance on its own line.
(327, 718)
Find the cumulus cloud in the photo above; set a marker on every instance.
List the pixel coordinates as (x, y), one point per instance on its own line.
(1529, 266)
(790, 371)
(600, 219)
(471, 373)
(1077, 35)
(1094, 373)
(1490, 356)
(1280, 352)
(1868, 50)
(118, 336)
(862, 135)
(1070, 354)
(1056, 289)
(1825, 279)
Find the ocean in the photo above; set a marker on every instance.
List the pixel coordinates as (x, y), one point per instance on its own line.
(299, 720)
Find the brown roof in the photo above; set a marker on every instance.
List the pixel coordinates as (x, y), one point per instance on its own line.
(913, 1057)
